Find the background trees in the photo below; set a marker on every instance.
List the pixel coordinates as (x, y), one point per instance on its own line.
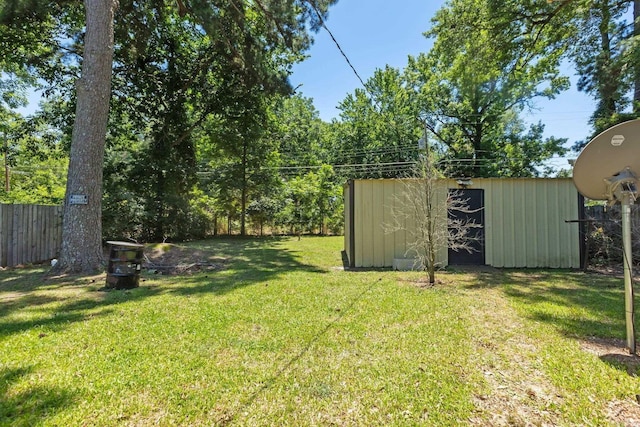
(205, 135)
(379, 128)
(489, 61)
(606, 56)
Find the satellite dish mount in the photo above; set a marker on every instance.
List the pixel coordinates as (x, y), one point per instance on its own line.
(607, 169)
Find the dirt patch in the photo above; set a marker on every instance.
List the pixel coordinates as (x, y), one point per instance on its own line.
(422, 282)
(173, 259)
(613, 270)
(614, 352)
(624, 412)
(602, 346)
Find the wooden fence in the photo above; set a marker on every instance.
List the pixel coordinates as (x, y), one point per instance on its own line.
(29, 234)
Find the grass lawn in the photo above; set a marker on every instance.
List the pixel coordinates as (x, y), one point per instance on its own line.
(282, 336)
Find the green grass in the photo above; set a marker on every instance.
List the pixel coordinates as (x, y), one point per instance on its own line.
(284, 337)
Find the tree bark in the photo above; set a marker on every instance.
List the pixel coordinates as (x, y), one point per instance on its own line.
(243, 201)
(82, 215)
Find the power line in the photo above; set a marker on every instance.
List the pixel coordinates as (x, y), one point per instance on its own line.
(324, 25)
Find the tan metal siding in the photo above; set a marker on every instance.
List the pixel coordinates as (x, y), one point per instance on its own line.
(400, 236)
(373, 202)
(525, 222)
(377, 232)
(390, 238)
(364, 218)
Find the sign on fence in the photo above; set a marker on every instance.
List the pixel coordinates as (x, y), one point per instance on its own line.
(29, 234)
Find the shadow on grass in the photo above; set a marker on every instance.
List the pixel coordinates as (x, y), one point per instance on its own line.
(272, 379)
(252, 260)
(56, 303)
(30, 406)
(51, 303)
(614, 352)
(577, 304)
(629, 363)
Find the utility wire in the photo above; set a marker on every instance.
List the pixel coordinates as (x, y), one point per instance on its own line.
(324, 25)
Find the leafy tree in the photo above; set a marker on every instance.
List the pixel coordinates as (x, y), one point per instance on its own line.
(159, 72)
(299, 208)
(263, 211)
(326, 194)
(489, 61)
(310, 200)
(243, 160)
(379, 127)
(605, 49)
(260, 40)
(34, 162)
(298, 134)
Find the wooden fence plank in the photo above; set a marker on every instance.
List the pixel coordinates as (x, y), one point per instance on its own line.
(29, 234)
(38, 241)
(8, 244)
(45, 234)
(30, 228)
(15, 236)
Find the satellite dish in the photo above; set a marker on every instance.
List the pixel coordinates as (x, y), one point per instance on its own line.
(607, 169)
(611, 158)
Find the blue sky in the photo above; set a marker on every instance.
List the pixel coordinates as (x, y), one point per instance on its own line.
(374, 33)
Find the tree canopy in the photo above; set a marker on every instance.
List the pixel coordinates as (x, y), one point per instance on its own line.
(203, 134)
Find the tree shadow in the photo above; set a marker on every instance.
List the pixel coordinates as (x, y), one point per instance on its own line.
(629, 363)
(613, 352)
(53, 303)
(576, 303)
(250, 261)
(31, 406)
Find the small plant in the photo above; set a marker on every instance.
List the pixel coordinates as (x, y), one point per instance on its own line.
(432, 217)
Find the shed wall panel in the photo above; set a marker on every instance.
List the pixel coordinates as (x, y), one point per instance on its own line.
(377, 231)
(400, 236)
(524, 222)
(542, 216)
(366, 223)
(348, 232)
(390, 237)
(358, 227)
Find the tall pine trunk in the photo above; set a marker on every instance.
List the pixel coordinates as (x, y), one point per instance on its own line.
(243, 201)
(82, 217)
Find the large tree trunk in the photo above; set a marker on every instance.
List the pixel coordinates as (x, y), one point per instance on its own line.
(82, 218)
(243, 201)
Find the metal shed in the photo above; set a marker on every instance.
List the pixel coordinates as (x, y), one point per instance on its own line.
(524, 222)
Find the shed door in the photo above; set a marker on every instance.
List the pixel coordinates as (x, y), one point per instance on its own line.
(475, 203)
